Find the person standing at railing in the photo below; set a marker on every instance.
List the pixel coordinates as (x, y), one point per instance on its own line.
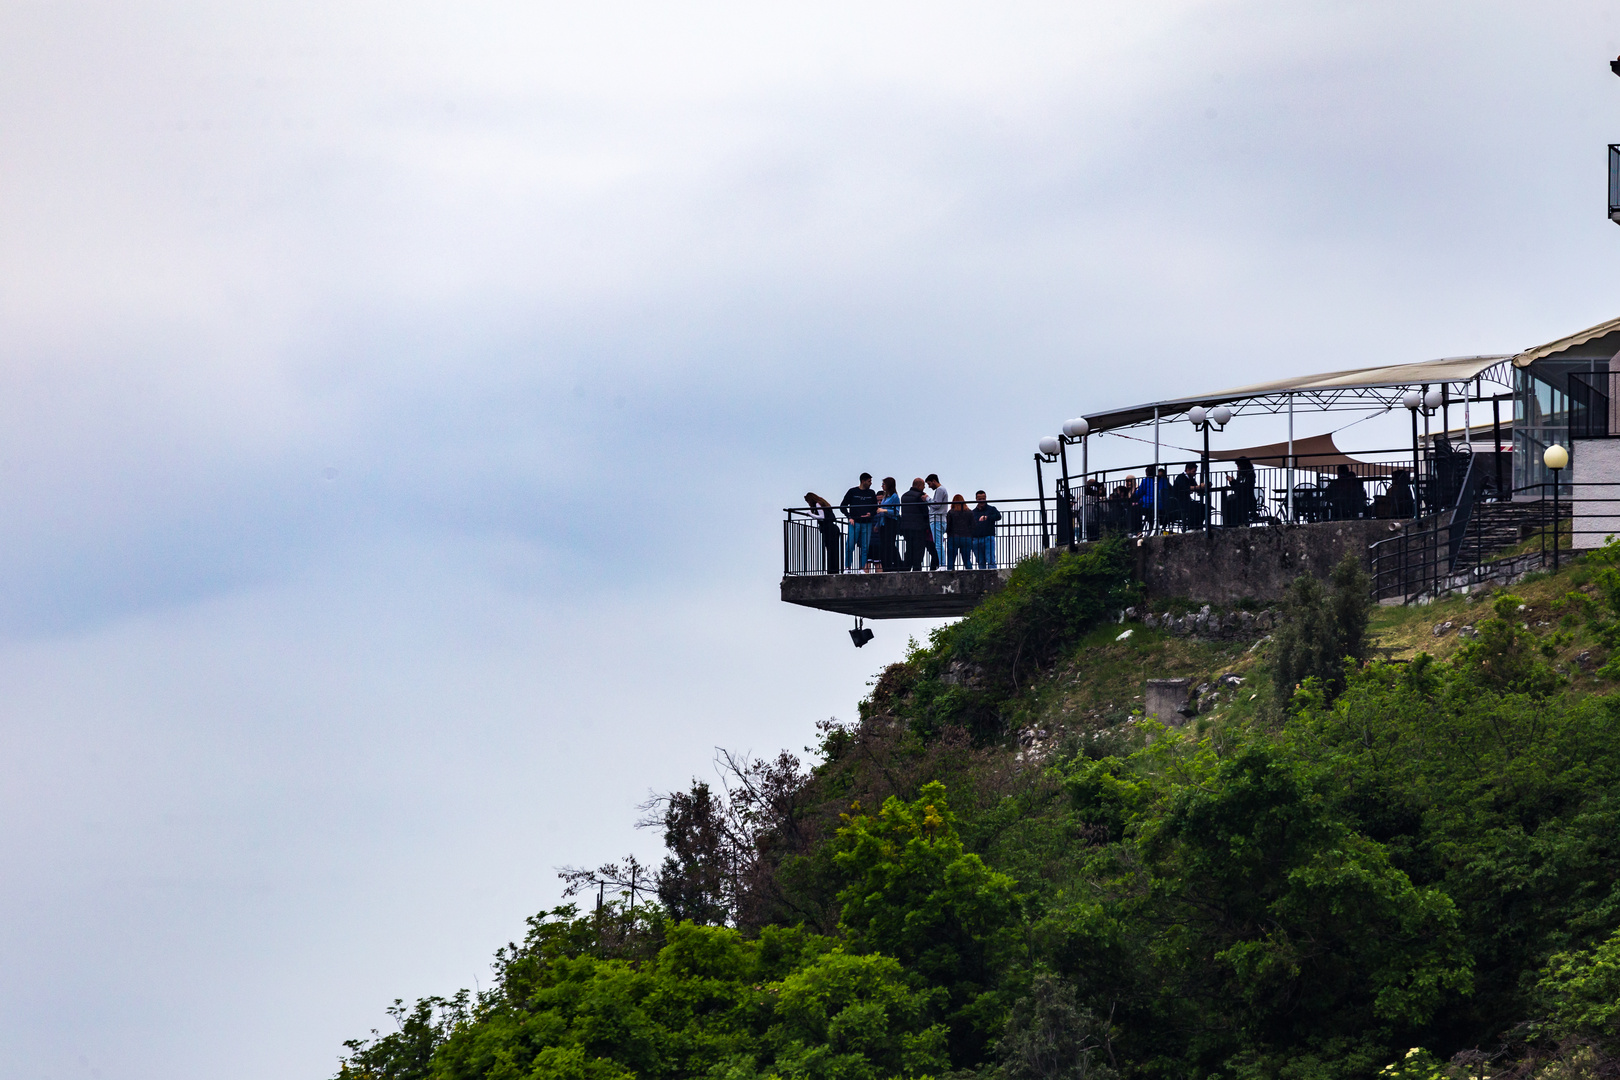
(887, 528)
(827, 523)
(860, 507)
(985, 517)
(914, 511)
(938, 501)
(959, 533)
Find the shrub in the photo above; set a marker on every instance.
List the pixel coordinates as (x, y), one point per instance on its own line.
(1321, 629)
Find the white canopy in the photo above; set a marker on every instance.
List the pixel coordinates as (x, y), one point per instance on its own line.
(1358, 388)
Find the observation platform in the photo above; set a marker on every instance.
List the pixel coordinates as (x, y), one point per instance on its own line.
(921, 594)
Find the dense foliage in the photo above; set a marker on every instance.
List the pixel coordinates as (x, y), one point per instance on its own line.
(1405, 855)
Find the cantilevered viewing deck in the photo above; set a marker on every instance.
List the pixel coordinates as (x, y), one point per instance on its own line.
(938, 594)
(1540, 430)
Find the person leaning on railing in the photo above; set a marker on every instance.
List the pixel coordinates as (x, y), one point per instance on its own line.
(959, 533)
(827, 523)
(860, 507)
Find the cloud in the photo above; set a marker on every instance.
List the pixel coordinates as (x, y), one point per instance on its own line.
(397, 401)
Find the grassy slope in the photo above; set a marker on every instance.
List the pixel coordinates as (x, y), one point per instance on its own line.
(1099, 684)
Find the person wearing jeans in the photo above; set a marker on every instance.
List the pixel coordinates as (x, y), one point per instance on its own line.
(959, 533)
(860, 507)
(985, 517)
(915, 510)
(938, 500)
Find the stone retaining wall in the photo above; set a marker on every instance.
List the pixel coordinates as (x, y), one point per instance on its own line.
(1224, 566)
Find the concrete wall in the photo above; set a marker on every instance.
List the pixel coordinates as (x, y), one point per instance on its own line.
(1594, 474)
(1228, 565)
(1166, 700)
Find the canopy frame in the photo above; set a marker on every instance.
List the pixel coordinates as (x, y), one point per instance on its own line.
(1383, 389)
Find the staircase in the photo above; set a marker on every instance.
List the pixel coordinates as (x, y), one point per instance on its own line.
(1496, 527)
(1421, 559)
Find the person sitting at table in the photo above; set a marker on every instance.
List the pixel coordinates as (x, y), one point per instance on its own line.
(1347, 499)
(1400, 494)
(1154, 493)
(1093, 505)
(1187, 489)
(1124, 501)
(1240, 499)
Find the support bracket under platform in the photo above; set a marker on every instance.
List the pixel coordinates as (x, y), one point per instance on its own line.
(921, 594)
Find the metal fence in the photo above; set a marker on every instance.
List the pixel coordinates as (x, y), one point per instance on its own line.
(1530, 532)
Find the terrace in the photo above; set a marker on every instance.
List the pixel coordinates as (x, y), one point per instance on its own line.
(1449, 492)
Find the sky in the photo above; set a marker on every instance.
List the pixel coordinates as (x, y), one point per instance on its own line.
(398, 401)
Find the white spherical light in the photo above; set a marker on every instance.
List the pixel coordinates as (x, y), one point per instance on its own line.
(1221, 415)
(1196, 414)
(1433, 399)
(1048, 445)
(1076, 428)
(1412, 400)
(1555, 457)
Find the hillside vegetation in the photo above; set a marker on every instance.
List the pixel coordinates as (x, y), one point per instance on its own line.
(1382, 845)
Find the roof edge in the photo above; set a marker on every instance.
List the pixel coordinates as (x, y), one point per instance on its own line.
(1527, 357)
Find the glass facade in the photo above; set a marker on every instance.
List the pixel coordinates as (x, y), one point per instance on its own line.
(1540, 418)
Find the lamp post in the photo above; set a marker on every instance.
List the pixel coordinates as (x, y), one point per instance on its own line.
(1076, 430)
(1413, 402)
(1045, 450)
(1202, 419)
(1555, 457)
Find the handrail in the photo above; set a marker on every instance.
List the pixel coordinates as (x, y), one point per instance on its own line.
(1462, 513)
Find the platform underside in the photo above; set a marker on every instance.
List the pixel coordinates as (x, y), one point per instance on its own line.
(922, 594)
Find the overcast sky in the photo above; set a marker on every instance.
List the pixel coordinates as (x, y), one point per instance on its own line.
(397, 402)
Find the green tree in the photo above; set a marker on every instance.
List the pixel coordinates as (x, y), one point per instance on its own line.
(1581, 991)
(916, 895)
(1281, 932)
(846, 1017)
(1321, 629)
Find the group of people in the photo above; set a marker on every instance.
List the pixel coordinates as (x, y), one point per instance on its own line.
(1185, 501)
(893, 530)
(1182, 501)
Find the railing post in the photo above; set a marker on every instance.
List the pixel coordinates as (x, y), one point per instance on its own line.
(1040, 488)
(1556, 522)
(1085, 483)
(1496, 445)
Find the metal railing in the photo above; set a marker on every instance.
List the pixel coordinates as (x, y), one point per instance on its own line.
(1023, 530)
(1456, 549)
